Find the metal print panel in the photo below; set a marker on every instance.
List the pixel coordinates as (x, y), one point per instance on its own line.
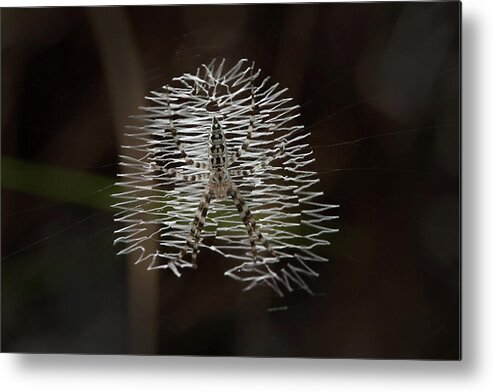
(232, 180)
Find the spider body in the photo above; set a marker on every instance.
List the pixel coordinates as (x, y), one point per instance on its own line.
(219, 185)
(219, 180)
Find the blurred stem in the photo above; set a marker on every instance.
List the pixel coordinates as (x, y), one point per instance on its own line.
(57, 183)
(121, 63)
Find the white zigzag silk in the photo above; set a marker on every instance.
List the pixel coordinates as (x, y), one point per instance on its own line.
(281, 191)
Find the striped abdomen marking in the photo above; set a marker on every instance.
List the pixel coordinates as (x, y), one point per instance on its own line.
(218, 160)
(219, 180)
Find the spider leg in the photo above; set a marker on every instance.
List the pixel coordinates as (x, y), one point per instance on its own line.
(177, 141)
(172, 172)
(197, 226)
(263, 164)
(251, 125)
(252, 241)
(249, 221)
(198, 231)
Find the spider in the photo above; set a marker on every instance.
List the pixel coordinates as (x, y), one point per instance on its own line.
(220, 183)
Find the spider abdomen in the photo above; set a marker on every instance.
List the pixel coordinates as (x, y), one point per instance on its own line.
(218, 161)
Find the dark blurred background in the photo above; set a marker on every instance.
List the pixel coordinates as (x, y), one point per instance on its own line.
(379, 88)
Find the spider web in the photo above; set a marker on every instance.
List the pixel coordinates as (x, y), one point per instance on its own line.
(281, 194)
